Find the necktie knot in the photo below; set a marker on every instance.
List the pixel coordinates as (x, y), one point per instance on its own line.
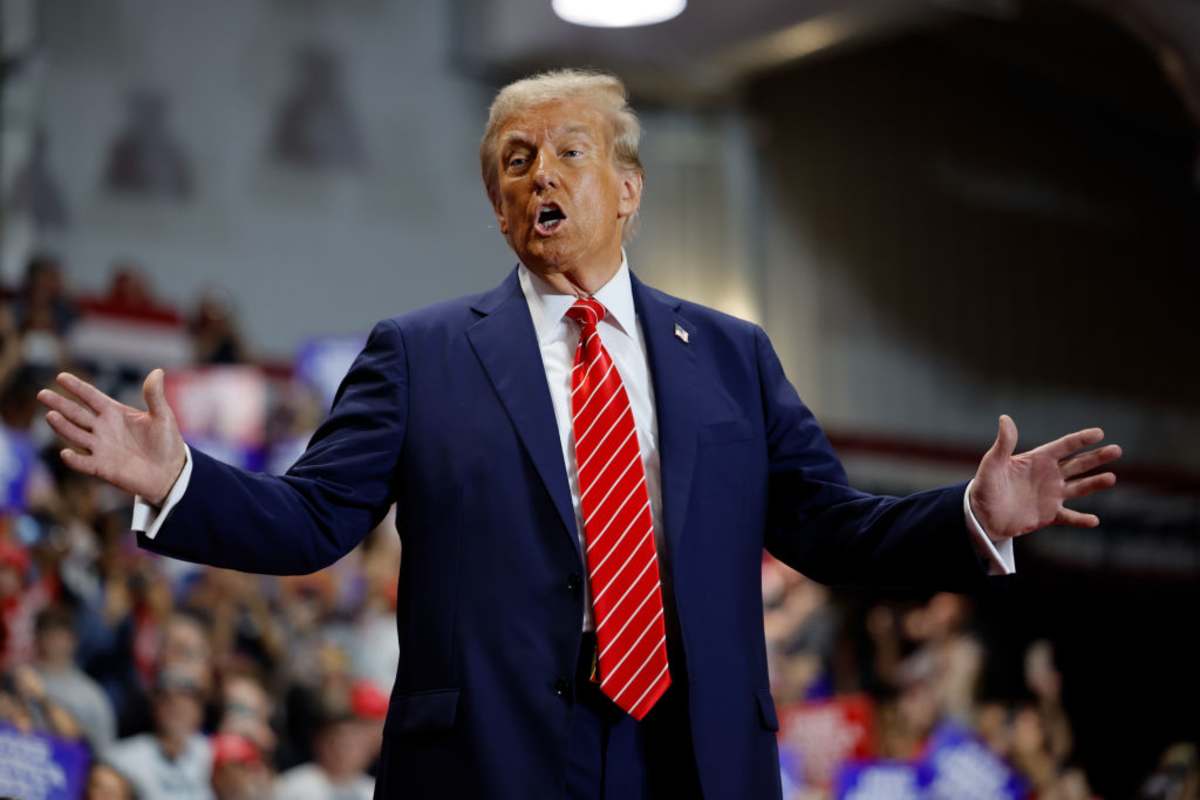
(587, 312)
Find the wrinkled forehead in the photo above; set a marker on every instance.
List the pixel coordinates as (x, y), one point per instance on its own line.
(555, 120)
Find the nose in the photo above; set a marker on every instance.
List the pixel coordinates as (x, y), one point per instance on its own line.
(545, 171)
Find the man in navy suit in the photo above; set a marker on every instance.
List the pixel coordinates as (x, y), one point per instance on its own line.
(471, 416)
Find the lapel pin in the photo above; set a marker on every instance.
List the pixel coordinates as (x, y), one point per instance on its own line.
(681, 333)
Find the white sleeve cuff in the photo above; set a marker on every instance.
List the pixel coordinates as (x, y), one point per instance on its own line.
(1000, 558)
(147, 518)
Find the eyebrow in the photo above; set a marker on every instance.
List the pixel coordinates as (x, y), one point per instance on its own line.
(516, 137)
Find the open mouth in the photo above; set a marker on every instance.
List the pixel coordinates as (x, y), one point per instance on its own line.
(550, 217)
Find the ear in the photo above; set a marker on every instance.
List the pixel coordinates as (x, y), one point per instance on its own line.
(631, 194)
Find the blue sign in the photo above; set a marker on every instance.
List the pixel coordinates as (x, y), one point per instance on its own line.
(878, 780)
(958, 766)
(16, 462)
(323, 362)
(34, 766)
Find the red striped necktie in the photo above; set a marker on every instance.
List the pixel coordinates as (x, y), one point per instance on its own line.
(618, 526)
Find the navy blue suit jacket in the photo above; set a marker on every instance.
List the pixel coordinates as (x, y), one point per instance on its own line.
(447, 412)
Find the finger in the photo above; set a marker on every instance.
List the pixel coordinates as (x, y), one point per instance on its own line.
(1076, 519)
(1006, 439)
(75, 435)
(80, 415)
(92, 397)
(152, 392)
(1085, 486)
(1086, 462)
(78, 461)
(1073, 442)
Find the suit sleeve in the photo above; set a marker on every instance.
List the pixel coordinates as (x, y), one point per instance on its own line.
(326, 503)
(819, 525)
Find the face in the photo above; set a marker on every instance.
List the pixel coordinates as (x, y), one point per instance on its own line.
(57, 645)
(561, 201)
(178, 712)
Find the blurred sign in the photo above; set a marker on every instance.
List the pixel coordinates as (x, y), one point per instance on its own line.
(818, 737)
(39, 767)
(878, 780)
(16, 462)
(222, 411)
(111, 339)
(958, 766)
(323, 362)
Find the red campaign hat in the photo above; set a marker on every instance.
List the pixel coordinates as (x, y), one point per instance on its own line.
(367, 701)
(232, 748)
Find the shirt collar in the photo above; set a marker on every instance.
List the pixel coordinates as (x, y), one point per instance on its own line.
(548, 307)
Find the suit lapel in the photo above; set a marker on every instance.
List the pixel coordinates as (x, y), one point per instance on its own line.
(506, 344)
(677, 396)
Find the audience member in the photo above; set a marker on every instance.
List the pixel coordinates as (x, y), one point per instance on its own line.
(66, 684)
(175, 761)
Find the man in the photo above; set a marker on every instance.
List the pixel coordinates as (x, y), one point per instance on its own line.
(586, 471)
(343, 746)
(68, 685)
(175, 761)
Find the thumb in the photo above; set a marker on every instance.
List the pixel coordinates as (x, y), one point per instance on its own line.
(1006, 439)
(155, 395)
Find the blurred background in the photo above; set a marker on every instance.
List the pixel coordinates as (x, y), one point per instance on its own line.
(940, 210)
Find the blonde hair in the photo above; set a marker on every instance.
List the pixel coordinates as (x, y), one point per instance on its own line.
(604, 90)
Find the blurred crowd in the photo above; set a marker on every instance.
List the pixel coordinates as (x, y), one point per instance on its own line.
(919, 665)
(179, 681)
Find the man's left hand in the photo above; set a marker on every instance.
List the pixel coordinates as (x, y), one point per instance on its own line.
(1017, 494)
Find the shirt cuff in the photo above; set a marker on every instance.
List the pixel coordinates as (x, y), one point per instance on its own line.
(1000, 557)
(147, 518)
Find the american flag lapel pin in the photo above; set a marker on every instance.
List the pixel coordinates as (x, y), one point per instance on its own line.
(681, 333)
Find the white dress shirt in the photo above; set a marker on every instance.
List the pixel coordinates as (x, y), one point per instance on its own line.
(621, 333)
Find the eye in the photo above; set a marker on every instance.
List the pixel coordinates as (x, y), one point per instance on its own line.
(574, 152)
(516, 162)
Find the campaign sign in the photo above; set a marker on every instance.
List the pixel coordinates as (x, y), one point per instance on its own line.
(16, 461)
(324, 361)
(222, 410)
(222, 403)
(253, 458)
(825, 734)
(958, 766)
(878, 780)
(35, 766)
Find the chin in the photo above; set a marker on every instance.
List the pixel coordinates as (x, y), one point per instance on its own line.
(546, 256)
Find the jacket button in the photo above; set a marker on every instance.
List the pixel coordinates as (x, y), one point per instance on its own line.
(561, 687)
(573, 581)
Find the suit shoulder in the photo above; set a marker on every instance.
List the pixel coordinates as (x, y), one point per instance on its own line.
(442, 315)
(710, 319)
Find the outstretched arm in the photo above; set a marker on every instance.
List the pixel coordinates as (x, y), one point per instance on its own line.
(227, 517)
(1013, 495)
(141, 452)
(821, 526)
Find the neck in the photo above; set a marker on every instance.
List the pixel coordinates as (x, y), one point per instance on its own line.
(581, 280)
(173, 744)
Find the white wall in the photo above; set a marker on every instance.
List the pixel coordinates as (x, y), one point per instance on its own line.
(303, 254)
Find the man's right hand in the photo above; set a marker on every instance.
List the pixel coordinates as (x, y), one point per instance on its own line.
(141, 452)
